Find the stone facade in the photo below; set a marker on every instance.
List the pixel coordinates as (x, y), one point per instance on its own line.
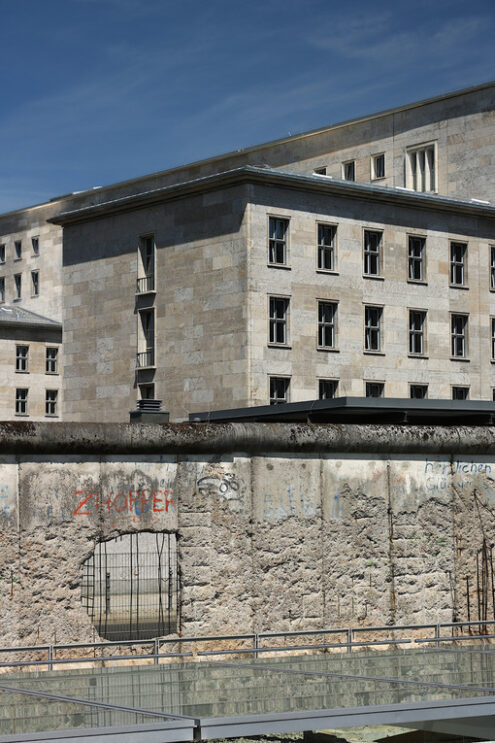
(213, 279)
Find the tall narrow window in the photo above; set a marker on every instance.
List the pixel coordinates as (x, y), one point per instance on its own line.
(492, 267)
(146, 265)
(18, 285)
(277, 243)
(51, 360)
(378, 166)
(372, 250)
(35, 242)
(51, 402)
(2, 289)
(327, 388)
(326, 324)
(279, 311)
(279, 390)
(326, 247)
(421, 168)
(460, 393)
(372, 328)
(418, 391)
(349, 170)
(458, 255)
(417, 322)
(416, 258)
(21, 358)
(459, 336)
(493, 338)
(146, 339)
(374, 389)
(35, 283)
(18, 250)
(21, 401)
(2, 253)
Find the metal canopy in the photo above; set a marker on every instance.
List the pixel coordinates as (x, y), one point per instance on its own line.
(429, 689)
(360, 410)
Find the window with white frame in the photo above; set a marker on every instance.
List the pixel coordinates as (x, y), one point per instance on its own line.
(277, 242)
(279, 320)
(374, 389)
(492, 267)
(460, 393)
(458, 263)
(372, 250)
(327, 389)
(2, 289)
(146, 265)
(35, 242)
(459, 326)
(279, 390)
(378, 166)
(349, 170)
(327, 312)
(18, 285)
(418, 391)
(35, 283)
(417, 326)
(51, 402)
(326, 247)
(416, 258)
(373, 328)
(51, 360)
(21, 358)
(21, 401)
(421, 168)
(18, 250)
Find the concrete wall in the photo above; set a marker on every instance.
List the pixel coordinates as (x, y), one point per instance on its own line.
(278, 526)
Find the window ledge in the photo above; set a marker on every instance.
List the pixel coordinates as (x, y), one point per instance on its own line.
(327, 349)
(279, 345)
(332, 273)
(284, 266)
(51, 415)
(16, 260)
(22, 371)
(374, 353)
(145, 291)
(52, 374)
(460, 358)
(417, 356)
(22, 415)
(417, 281)
(458, 286)
(373, 276)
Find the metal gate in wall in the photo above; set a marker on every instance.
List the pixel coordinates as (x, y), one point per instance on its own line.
(130, 586)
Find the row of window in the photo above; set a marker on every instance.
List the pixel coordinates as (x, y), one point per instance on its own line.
(420, 168)
(278, 333)
(35, 246)
(22, 359)
(328, 389)
(35, 285)
(372, 253)
(22, 402)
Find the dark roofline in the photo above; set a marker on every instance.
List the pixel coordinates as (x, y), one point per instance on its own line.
(282, 178)
(359, 410)
(263, 145)
(45, 323)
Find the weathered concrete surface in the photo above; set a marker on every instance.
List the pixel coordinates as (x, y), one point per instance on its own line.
(279, 526)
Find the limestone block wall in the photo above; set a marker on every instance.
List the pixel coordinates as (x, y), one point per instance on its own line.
(279, 527)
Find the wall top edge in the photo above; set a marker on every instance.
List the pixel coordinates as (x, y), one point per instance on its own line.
(104, 439)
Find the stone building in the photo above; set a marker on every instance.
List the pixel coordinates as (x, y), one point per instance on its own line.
(358, 259)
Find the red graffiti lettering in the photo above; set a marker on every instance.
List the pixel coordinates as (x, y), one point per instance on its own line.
(120, 495)
(156, 501)
(82, 503)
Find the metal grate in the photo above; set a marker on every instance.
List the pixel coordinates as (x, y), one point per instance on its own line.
(129, 586)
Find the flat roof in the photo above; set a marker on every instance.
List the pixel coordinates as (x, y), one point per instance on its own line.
(205, 699)
(360, 410)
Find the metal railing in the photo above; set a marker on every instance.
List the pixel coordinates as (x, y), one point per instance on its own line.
(347, 639)
(145, 284)
(145, 358)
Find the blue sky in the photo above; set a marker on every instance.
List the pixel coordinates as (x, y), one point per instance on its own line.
(96, 91)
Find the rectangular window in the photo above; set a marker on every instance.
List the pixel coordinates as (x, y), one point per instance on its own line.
(35, 283)
(21, 401)
(417, 322)
(458, 255)
(460, 393)
(277, 243)
(492, 267)
(18, 250)
(374, 389)
(418, 391)
(51, 400)
(372, 250)
(35, 242)
(279, 311)
(416, 257)
(349, 170)
(146, 338)
(18, 285)
(51, 361)
(459, 336)
(327, 389)
(146, 265)
(421, 168)
(326, 247)
(372, 328)
(279, 390)
(21, 358)
(326, 324)
(493, 337)
(378, 166)
(2, 253)
(2, 290)
(147, 391)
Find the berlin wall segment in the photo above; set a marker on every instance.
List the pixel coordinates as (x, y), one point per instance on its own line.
(278, 526)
